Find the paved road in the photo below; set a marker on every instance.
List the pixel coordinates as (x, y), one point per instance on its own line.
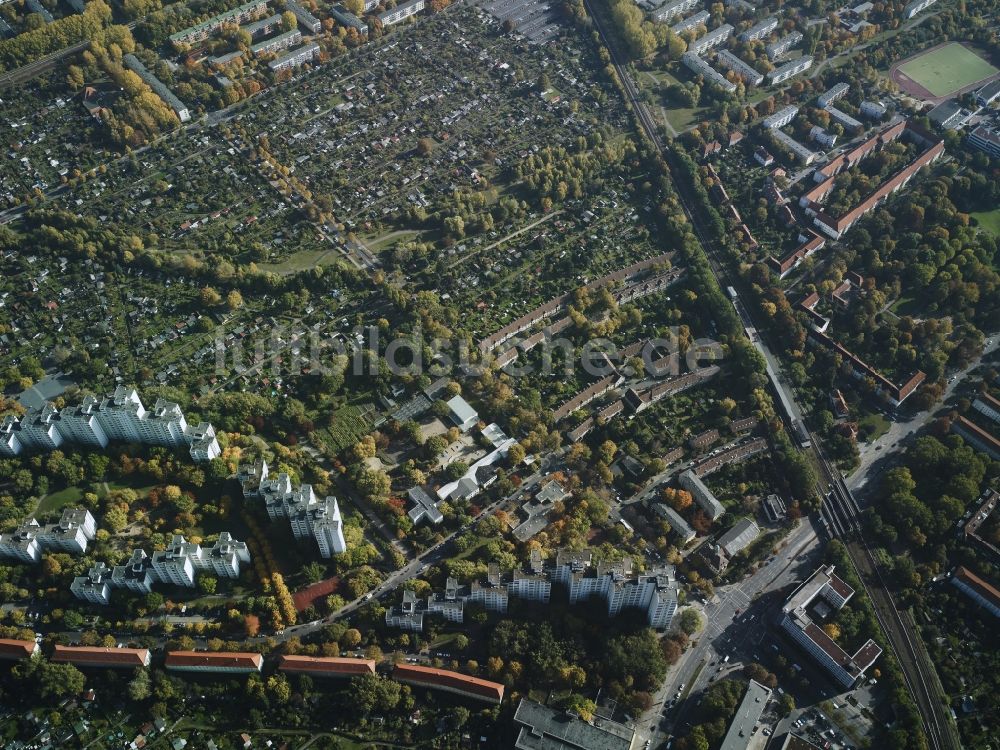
(877, 455)
(700, 664)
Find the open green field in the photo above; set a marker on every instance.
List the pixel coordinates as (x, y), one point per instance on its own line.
(947, 69)
(989, 220)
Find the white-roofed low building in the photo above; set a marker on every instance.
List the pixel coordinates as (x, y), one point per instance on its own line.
(462, 414)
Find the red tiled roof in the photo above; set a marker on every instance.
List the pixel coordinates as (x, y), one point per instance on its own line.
(975, 582)
(101, 657)
(328, 665)
(451, 681)
(218, 660)
(15, 649)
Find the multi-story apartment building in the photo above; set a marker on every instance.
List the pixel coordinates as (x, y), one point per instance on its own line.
(797, 622)
(832, 94)
(223, 558)
(701, 495)
(655, 593)
(306, 20)
(780, 47)
(760, 30)
(277, 43)
(119, 417)
(401, 12)
(82, 425)
(202, 31)
(711, 39)
(75, 529)
(780, 118)
(93, 587)
(10, 440)
(789, 69)
(974, 587)
(307, 515)
(135, 575)
(916, 7)
(295, 57)
(22, 544)
(728, 60)
(95, 656)
(223, 662)
(986, 139)
(176, 563)
(697, 64)
(40, 429)
(673, 9)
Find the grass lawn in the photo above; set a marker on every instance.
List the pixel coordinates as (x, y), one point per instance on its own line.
(872, 426)
(989, 220)
(947, 69)
(905, 305)
(56, 501)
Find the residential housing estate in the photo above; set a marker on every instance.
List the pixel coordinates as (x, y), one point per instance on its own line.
(307, 515)
(75, 529)
(118, 417)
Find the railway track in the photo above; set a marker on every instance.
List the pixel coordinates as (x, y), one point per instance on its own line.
(839, 511)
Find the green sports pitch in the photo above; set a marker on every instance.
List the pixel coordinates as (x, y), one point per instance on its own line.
(947, 69)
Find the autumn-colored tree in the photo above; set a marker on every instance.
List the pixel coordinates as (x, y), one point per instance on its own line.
(251, 625)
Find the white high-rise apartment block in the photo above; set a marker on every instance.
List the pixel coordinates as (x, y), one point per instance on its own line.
(75, 529)
(22, 544)
(93, 587)
(118, 417)
(10, 441)
(307, 515)
(224, 557)
(328, 528)
(40, 430)
(175, 565)
(135, 575)
(81, 425)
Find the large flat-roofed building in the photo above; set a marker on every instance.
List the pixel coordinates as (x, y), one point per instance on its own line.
(873, 110)
(401, 12)
(986, 95)
(680, 528)
(711, 39)
(306, 20)
(671, 10)
(825, 586)
(986, 139)
(543, 728)
(226, 662)
(238, 15)
(93, 587)
(832, 94)
(22, 543)
(844, 119)
(326, 666)
(780, 47)
(176, 563)
(224, 557)
(981, 592)
(916, 7)
(119, 416)
(348, 20)
(277, 43)
(263, 27)
(728, 60)
(789, 69)
(803, 153)
(698, 19)
(159, 88)
(76, 528)
(295, 57)
(12, 649)
(744, 723)
(462, 414)
(703, 497)
(424, 507)
(697, 64)
(780, 118)
(760, 30)
(135, 575)
(93, 656)
(450, 682)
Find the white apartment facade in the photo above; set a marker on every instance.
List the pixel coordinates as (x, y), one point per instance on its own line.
(93, 587)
